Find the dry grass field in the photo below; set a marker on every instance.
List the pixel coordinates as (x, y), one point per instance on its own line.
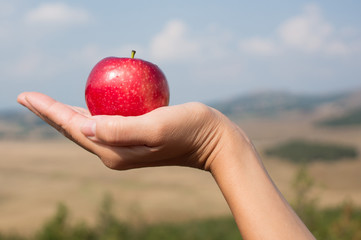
(37, 175)
(335, 182)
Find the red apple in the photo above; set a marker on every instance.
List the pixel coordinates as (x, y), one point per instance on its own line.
(125, 86)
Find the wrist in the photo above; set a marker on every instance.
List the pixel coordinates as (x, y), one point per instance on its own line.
(232, 146)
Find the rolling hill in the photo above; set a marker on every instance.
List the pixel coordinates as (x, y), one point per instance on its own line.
(264, 104)
(330, 109)
(23, 125)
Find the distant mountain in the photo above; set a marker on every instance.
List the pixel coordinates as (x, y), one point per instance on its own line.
(21, 118)
(265, 104)
(17, 125)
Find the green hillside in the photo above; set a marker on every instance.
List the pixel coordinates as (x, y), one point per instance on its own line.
(302, 151)
(351, 118)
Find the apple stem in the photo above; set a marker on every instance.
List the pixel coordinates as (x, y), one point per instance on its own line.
(133, 53)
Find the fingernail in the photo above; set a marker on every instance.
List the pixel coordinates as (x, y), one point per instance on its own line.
(22, 99)
(88, 128)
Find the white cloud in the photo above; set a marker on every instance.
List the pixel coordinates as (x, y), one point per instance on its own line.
(205, 56)
(308, 31)
(173, 43)
(56, 14)
(258, 46)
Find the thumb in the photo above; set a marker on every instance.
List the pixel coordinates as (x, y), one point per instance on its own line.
(117, 130)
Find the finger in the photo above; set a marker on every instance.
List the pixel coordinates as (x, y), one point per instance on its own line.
(121, 131)
(71, 123)
(22, 99)
(62, 117)
(83, 111)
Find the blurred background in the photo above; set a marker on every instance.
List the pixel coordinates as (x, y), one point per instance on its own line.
(288, 73)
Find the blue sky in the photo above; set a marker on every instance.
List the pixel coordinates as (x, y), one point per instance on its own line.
(209, 50)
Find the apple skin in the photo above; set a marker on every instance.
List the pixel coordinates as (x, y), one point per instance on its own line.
(126, 87)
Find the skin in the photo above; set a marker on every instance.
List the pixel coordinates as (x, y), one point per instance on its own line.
(192, 135)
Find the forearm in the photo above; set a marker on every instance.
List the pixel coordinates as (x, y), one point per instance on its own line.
(258, 207)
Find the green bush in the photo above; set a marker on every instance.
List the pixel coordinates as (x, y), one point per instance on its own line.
(109, 227)
(352, 118)
(302, 151)
(342, 222)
